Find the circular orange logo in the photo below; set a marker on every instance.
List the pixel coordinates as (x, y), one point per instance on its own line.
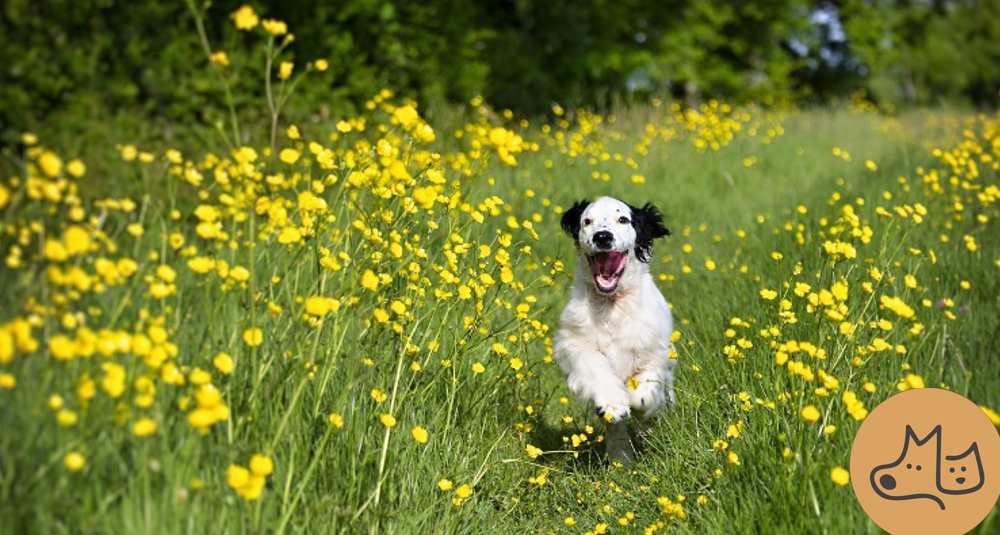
(926, 461)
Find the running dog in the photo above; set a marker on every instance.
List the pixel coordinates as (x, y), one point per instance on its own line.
(613, 342)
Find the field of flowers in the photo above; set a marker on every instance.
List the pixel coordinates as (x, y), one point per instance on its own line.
(346, 325)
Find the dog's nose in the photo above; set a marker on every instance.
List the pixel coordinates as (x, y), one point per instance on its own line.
(603, 239)
(888, 482)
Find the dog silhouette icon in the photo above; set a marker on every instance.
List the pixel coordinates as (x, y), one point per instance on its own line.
(920, 472)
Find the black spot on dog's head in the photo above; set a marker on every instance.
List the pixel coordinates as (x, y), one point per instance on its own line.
(571, 219)
(648, 223)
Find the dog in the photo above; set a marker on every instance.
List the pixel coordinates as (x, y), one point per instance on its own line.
(614, 338)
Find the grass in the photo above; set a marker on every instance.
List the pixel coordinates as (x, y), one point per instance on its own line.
(254, 341)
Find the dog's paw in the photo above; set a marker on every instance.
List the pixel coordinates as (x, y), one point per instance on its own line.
(648, 398)
(613, 413)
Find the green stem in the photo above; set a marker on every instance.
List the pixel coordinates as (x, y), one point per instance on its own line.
(207, 49)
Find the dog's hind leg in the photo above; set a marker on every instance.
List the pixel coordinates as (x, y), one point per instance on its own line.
(618, 444)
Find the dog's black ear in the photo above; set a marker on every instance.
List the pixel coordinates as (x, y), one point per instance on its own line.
(571, 219)
(648, 223)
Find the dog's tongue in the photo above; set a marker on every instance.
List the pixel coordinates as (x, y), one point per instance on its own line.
(609, 264)
(607, 268)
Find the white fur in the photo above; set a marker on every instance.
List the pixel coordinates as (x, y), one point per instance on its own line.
(606, 339)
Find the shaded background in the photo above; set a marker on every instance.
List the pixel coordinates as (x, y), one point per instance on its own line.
(76, 62)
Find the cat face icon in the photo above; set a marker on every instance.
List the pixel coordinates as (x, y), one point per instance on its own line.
(961, 474)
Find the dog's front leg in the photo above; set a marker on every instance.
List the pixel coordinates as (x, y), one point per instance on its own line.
(591, 378)
(649, 395)
(654, 388)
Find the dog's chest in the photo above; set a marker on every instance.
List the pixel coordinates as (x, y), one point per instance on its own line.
(619, 326)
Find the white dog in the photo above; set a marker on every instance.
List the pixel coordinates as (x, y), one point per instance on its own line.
(614, 335)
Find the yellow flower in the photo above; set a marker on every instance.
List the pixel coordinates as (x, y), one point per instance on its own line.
(516, 363)
(253, 336)
(7, 381)
(285, 70)
(128, 152)
(74, 461)
(810, 413)
(463, 491)
(249, 485)
(224, 363)
(66, 418)
(569, 521)
(444, 484)
(406, 115)
(114, 379)
(911, 381)
(50, 164)
(135, 229)
(245, 18)
(237, 476)
(768, 294)
(289, 235)
(144, 427)
(387, 420)
(732, 459)
(425, 197)
(419, 434)
(733, 431)
(76, 168)
(274, 27)
(369, 280)
(840, 476)
(336, 420)
(220, 58)
(321, 65)
(478, 368)
(991, 414)
(261, 465)
(289, 156)
(318, 305)
(378, 395)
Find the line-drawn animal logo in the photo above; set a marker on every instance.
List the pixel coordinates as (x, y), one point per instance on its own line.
(921, 472)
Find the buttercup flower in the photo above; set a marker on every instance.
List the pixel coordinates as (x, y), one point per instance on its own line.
(245, 18)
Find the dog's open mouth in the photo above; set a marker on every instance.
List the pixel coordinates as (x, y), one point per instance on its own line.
(607, 269)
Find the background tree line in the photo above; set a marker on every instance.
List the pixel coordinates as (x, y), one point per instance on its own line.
(73, 61)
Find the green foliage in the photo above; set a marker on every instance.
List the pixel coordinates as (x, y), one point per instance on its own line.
(79, 63)
(921, 53)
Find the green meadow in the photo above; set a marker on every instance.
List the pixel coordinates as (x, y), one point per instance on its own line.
(345, 325)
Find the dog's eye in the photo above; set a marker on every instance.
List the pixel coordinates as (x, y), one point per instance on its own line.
(623, 220)
(587, 222)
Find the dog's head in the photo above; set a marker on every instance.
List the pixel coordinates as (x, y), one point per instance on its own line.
(610, 234)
